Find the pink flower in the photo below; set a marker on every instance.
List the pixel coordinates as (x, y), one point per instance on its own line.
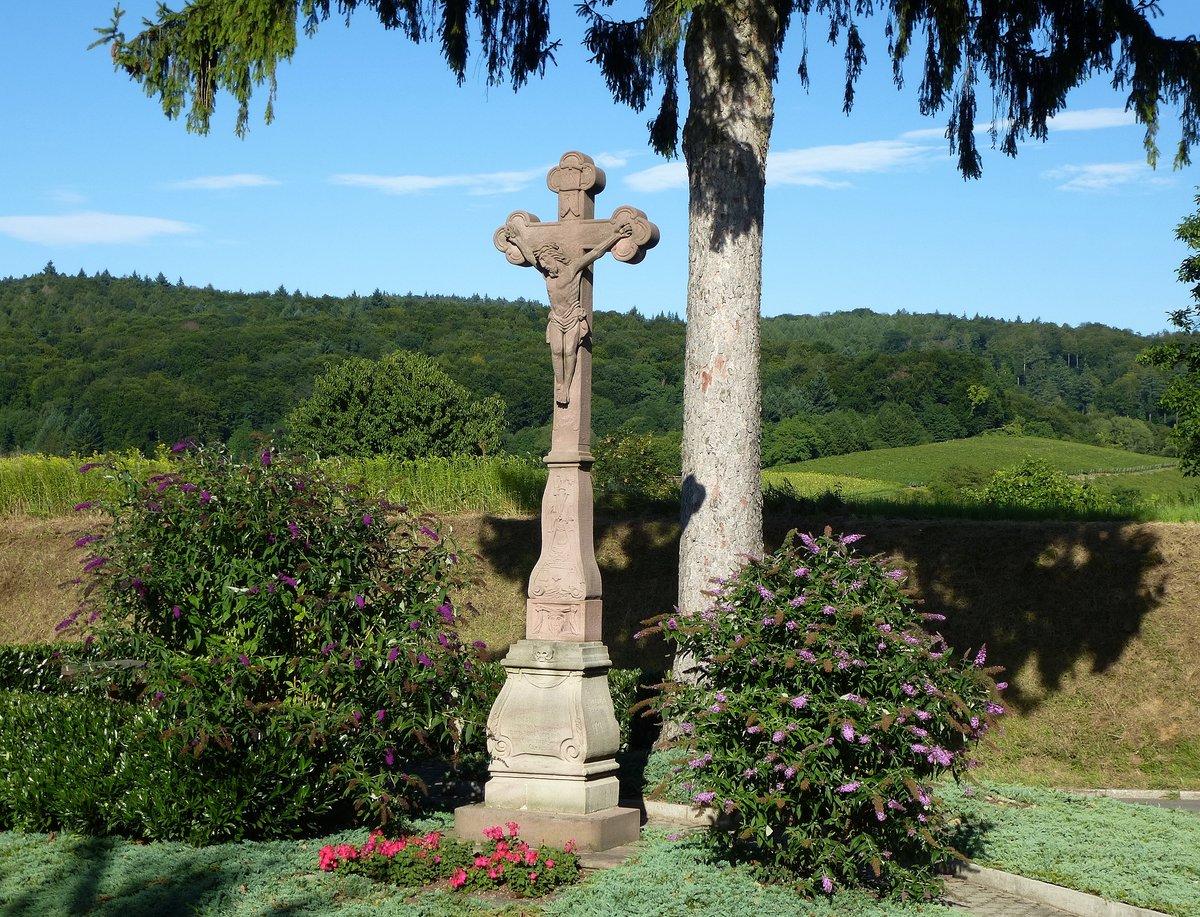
(827, 884)
(265, 458)
(981, 656)
(379, 715)
(366, 519)
(360, 601)
(458, 879)
(175, 612)
(799, 701)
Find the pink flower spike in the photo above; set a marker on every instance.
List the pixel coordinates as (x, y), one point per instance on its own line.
(360, 601)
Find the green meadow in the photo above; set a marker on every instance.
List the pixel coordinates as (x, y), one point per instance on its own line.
(901, 481)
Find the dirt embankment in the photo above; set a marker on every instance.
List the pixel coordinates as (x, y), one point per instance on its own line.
(1095, 622)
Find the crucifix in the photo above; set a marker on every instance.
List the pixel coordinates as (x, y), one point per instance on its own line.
(553, 734)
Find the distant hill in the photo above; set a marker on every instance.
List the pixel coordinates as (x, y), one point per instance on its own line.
(104, 362)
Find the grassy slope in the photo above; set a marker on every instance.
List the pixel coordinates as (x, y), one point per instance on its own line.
(1094, 621)
(918, 465)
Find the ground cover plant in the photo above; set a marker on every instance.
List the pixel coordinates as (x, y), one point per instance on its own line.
(1141, 855)
(819, 714)
(1019, 830)
(298, 646)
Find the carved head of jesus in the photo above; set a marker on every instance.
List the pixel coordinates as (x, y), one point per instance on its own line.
(550, 258)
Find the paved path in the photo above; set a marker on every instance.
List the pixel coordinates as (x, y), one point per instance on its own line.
(981, 901)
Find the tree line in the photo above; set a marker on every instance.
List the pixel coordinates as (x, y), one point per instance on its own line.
(109, 363)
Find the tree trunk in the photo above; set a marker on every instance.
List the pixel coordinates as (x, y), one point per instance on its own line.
(731, 54)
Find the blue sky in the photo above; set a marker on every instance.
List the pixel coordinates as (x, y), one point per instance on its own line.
(380, 171)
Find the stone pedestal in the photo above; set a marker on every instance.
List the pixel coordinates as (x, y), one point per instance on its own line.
(553, 738)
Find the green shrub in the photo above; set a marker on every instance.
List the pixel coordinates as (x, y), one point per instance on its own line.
(403, 405)
(34, 667)
(60, 761)
(630, 472)
(95, 765)
(1036, 484)
(278, 610)
(958, 484)
(822, 714)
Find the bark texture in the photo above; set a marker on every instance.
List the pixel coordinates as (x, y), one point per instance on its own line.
(730, 56)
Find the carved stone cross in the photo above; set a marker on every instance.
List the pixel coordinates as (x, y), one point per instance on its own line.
(564, 589)
(553, 734)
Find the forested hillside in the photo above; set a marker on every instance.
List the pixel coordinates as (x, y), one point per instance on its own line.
(103, 362)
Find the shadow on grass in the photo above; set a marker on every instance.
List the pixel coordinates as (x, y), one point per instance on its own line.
(1044, 594)
(92, 881)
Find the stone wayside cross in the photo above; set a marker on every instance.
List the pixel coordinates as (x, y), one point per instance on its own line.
(553, 734)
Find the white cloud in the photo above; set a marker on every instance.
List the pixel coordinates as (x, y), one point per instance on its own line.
(1085, 119)
(68, 197)
(89, 228)
(480, 183)
(662, 177)
(1100, 175)
(925, 133)
(1090, 119)
(223, 182)
(812, 165)
(617, 160)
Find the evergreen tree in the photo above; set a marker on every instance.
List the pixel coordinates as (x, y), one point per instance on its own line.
(1030, 53)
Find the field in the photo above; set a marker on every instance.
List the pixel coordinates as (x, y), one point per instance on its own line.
(897, 481)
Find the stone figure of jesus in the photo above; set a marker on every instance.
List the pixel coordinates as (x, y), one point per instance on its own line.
(567, 324)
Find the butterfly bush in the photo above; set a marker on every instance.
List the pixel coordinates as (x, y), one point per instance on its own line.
(273, 605)
(823, 714)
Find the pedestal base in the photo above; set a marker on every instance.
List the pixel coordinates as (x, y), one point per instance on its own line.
(604, 830)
